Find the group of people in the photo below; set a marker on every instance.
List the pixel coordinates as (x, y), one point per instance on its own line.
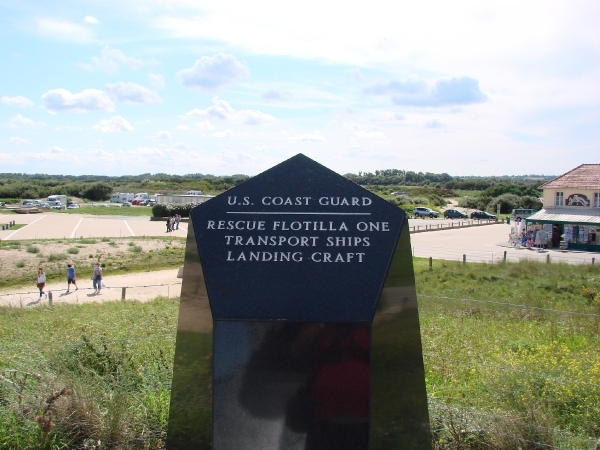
(529, 239)
(173, 223)
(71, 280)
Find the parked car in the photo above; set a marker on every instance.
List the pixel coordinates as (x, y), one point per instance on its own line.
(151, 202)
(420, 211)
(520, 214)
(126, 204)
(73, 205)
(2, 204)
(454, 214)
(482, 215)
(59, 205)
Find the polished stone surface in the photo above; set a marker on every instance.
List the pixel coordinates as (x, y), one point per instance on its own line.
(307, 355)
(322, 258)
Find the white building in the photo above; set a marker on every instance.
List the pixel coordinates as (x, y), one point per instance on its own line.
(182, 198)
(572, 209)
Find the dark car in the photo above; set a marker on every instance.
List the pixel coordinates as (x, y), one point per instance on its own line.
(482, 215)
(454, 214)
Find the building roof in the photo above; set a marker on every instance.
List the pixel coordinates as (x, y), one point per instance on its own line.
(566, 215)
(585, 176)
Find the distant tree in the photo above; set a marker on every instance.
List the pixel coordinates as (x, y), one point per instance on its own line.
(97, 191)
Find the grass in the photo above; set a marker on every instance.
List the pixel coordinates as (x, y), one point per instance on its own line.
(105, 377)
(110, 210)
(512, 358)
(16, 226)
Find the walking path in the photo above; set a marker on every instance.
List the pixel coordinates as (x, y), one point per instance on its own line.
(142, 286)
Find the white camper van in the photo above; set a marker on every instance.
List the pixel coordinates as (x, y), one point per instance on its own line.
(193, 193)
(121, 197)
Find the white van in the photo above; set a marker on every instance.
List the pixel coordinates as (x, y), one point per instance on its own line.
(193, 193)
(522, 214)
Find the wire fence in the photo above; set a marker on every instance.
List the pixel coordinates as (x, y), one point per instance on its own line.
(507, 255)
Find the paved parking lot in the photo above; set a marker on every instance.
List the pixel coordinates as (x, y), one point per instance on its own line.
(58, 226)
(479, 244)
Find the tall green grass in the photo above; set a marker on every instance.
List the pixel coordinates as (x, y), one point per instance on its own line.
(511, 351)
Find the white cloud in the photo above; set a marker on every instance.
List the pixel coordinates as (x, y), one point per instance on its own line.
(163, 134)
(90, 19)
(223, 134)
(60, 99)
(210, 73)
(115, 124)
(18, 100)
(131, 93)
(309, 137)
(110, 60)
(206, 125)
(183, 127)
(454, 91)
(18, 141)
(434, 124)
(370, 134)
(181, 145)
(276, 95)
(157, 81)
(223, 111)
(19, 120)
(63, 30)
(57, 150)
(243, 159)
(251, 117)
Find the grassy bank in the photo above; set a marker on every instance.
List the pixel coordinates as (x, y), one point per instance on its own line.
(512, 358)
(110, 210)
(19, 260)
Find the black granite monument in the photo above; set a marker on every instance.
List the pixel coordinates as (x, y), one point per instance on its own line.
(298, 324)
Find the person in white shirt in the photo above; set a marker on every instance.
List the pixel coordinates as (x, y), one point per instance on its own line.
(41, 282)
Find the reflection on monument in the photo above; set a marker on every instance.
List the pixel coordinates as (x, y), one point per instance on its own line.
(308, 381)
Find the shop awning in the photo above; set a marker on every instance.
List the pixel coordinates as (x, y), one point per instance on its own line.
(566, 216)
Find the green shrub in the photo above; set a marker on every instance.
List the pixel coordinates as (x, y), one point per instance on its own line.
(73, 250)
(33, 249)
(20, 264)
(169, 209)
(135, 249)
(57, 257)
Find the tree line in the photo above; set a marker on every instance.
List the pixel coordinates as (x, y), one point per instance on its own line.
(18, 186)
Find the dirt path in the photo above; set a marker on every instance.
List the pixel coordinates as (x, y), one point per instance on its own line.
(141, 286)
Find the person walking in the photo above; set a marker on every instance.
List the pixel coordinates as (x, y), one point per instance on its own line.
(41, 282)
(168, 224)
(97, 278)
(71, 277)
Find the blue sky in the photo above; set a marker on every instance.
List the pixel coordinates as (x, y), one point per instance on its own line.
(186, 86)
